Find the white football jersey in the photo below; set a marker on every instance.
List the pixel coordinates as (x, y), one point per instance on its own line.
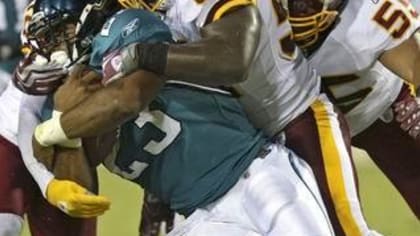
(280, 84)
(366, 29)
(10, 102)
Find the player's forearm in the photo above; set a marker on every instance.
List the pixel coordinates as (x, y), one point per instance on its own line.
(108, 108)
(223, 55)
(99, 114)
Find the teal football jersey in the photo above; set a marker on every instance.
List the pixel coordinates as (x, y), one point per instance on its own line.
(192, 144)
(189, 148)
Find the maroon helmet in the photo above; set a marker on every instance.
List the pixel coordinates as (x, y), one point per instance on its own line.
(312, 20)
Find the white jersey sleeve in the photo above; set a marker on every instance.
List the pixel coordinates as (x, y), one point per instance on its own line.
(29, 118)
(9, 112)
(365, 30)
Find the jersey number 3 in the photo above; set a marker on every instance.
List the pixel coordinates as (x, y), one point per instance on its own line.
(166, 124)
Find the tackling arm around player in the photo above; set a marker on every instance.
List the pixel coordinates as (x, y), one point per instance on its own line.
(222, 56)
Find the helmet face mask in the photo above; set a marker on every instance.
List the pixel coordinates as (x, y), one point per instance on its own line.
(50, 26)
(312, 20)
(66, 25)
(52, 33)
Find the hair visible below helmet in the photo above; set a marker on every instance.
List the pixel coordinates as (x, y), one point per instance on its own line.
(127, 27)
(312, 20)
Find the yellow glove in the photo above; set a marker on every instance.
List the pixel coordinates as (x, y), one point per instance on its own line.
(75, 200)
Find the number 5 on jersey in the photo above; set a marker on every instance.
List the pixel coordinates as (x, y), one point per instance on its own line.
(393, 19)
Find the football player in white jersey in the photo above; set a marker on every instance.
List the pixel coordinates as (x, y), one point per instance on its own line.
(228, 39)
(18, 192)
(363, 51)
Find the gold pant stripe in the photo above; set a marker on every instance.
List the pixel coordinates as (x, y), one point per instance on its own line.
(333, 169)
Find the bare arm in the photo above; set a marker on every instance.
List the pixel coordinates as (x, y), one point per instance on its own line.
(221, 57)
(109, 107)
(404, 60)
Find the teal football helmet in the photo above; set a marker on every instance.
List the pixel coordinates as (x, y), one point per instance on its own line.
(127, 27)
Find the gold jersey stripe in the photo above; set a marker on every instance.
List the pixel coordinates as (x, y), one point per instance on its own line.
(411, 87)
(333, 169)
(223, 6)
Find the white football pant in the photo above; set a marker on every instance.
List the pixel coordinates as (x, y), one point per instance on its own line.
(277, 196)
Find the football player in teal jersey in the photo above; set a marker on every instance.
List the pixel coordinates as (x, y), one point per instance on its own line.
(194, 148)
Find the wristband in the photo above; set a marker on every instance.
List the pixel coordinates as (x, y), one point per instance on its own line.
(50, 133)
